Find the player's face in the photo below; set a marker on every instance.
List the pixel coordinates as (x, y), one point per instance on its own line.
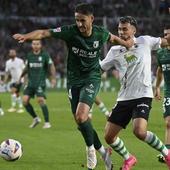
(84, 22)
(12, 53)
(166, 33)
(36, 45)
(126, 30)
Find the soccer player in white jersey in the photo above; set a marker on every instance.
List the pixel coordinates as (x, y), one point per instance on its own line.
(1, 110)
(135, 95)
(13, 69)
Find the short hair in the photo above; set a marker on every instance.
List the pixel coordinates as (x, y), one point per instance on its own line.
(129, 19)
(167, 27)
(84, 8)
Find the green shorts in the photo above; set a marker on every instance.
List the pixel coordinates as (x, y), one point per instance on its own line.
(85, 93)
(32, 91)
(166, 106)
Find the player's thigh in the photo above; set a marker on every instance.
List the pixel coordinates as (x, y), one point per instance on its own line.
(41, 100)
(29, 91)
(25, 99)
(121, 113)
(89, 92)
(166, 107)
(73, 94)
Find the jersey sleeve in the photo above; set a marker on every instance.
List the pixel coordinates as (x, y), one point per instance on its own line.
(106, 35)
(48, 59)
(153, 42)
(22, 64)
(6, 67)
(63, 32)
(108, 62)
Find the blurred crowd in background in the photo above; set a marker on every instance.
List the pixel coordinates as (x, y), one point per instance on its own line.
(28, 15)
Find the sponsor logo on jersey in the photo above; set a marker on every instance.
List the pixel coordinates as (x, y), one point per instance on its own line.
(39, 58)
(95, 44)
(130, 58)
(84, 53)
(58, 29)
(35, 65)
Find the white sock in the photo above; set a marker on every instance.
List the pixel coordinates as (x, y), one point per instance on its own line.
(91, 147)
(152, 140)
(19, 100)
(101, 105)
(101, 150)
(14, 100)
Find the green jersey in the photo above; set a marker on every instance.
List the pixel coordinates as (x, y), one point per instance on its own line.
(83, 52)
(163, 57)
(37, 65)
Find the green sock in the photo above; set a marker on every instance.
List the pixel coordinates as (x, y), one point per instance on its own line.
(97, 143)
(87, 132)
(102, 107)
(30, 110)
(120, 148)
(152, 140)
(167, 146)
(45, 112)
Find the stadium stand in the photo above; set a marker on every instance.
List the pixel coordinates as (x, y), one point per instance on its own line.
(24, 16)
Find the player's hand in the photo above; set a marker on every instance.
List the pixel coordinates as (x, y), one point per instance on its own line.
(19, 37)
(53, 83)
(157, 94)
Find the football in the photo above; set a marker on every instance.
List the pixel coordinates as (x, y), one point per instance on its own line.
(11, 150)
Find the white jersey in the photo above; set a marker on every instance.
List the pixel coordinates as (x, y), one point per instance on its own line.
(14, 68)
(134, 66)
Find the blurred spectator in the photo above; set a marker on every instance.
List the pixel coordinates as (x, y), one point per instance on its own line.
(164, 7)
(25, 16)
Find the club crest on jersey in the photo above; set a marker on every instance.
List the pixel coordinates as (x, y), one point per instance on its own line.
(58, 29)
(95, 44)
(39, 58)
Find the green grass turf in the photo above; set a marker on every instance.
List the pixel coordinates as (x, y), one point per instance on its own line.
(62, 147)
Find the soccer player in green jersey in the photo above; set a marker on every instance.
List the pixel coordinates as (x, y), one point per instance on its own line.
(84, 41)
(38, 64)
(163, 70)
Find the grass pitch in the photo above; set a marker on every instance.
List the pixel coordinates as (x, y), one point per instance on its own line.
(62, 147)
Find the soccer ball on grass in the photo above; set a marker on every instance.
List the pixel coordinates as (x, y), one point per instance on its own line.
(11, 150)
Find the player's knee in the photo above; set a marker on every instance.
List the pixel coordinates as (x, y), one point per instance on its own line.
(139, 133)
(25, 102)
(41, 101)
(80, 118)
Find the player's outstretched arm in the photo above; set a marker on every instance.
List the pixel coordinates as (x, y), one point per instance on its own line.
(115, 40)
(159, 77)
(34, 35)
